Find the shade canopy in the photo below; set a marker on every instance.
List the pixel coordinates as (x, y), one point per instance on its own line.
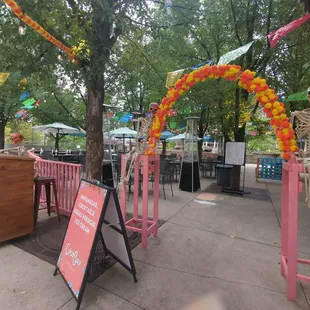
(166, 135)
(123, 132)
(180, 137)
(58, 131)
(58, 128)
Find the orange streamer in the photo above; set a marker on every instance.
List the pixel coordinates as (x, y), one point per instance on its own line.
(34, 25)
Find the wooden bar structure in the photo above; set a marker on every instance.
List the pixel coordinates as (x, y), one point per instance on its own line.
(16, 196)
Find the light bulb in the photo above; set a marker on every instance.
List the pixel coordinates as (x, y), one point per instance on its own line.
(22, 30)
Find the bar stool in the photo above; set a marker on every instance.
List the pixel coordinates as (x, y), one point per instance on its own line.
(47, 182)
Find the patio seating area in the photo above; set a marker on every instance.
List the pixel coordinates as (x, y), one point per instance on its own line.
(208, 243)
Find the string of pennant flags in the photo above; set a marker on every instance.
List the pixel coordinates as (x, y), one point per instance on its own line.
(273, 39)
(28, 103)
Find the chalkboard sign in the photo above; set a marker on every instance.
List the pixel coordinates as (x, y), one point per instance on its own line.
(95, 214)
(235, 153)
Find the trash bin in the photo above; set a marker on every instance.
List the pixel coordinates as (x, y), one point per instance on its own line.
(223, 175)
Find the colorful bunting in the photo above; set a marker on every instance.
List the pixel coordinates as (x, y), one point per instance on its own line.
(172, 77)
(37, 103)
(275, 36)
(23, 83)
(19, 113)
(34, 25)
(29, 101)
(232, 55)
(24, 96)
(3, 77)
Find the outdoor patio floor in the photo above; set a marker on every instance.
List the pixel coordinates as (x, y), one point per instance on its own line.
(232, 248)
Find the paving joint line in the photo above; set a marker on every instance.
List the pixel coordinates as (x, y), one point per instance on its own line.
(118, 296)
(65, 303)
(274, 209)
(222, 234)
(210, 277)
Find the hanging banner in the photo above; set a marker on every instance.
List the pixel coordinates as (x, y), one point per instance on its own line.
(34, 25)
(172, 77)
(275, 36)
(3, 77)
(232, 55)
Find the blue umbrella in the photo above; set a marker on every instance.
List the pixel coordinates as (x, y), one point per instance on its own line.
(166, 134)
(208, 138)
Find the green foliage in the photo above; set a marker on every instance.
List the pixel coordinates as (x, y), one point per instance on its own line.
(262, 143)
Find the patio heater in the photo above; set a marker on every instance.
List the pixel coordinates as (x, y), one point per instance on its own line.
(190, 180)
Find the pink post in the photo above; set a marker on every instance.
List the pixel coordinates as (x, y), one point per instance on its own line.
(291, 187)
(293, 232)
(145, 200)
(136, 190)
(156, 197)
(123, 188)
(284, 217)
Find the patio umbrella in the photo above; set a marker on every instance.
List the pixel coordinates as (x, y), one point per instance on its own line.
(58, 131)
(123, 133)
(164, 136)
(180, 137)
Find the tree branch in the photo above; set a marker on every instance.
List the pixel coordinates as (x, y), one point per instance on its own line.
(235, 22)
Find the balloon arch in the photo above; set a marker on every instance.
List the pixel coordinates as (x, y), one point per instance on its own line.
(266, 96)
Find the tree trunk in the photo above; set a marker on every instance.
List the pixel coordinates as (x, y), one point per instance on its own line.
(94, 135)
(2, 133)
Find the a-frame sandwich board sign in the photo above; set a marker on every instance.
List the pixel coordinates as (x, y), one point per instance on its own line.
(95, 216)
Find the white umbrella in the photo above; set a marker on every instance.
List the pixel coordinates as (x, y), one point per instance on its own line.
(58, 129)
(122, 133)
(180, 137)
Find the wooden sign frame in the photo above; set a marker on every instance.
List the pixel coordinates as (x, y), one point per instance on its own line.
(110, 193)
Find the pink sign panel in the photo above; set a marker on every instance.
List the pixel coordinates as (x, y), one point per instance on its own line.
(80, 236)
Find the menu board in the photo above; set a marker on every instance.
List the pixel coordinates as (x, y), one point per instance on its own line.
(80, 235)
(96, 216)
(235, 153)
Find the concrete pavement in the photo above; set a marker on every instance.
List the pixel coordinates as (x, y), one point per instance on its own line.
(232, 248)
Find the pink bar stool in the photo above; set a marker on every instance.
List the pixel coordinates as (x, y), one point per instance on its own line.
(138, 223)
(291, 187)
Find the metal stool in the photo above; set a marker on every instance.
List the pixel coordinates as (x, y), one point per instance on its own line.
(47, 182)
